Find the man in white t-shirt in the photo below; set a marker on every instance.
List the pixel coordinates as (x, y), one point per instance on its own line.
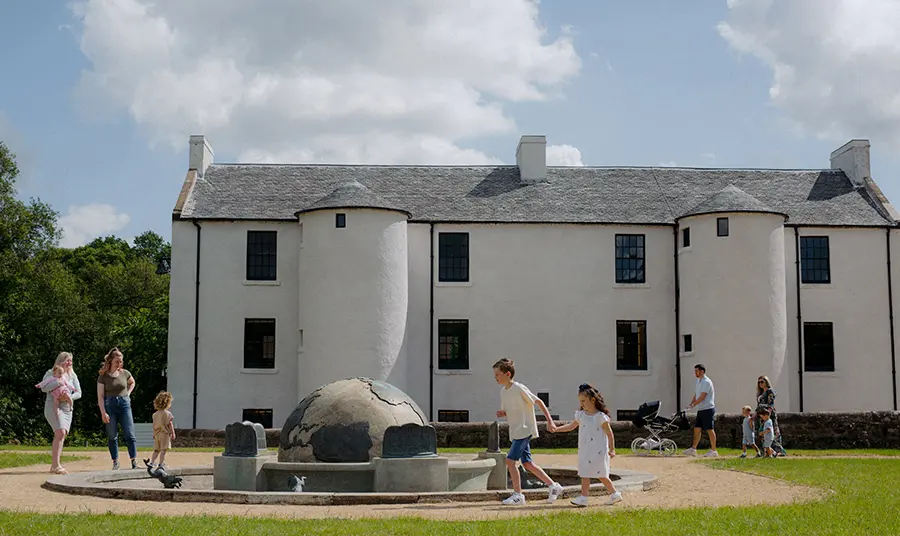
(517, 405)
(705, 401)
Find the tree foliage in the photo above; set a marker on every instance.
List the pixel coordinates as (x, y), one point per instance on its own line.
(83, 300)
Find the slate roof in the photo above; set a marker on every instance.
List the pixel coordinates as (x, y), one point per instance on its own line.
(729, 199)
(351, 194)
(495, 193)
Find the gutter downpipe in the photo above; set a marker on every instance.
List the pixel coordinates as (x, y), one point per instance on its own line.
(891, 316)
(431, 329)
(196, 322)
(677, 326)
(799, 314)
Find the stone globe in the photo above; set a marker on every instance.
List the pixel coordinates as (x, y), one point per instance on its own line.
(344, 421)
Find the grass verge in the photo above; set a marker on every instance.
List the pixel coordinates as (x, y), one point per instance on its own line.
(23, 459)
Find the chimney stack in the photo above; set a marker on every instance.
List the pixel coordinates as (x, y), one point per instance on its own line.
(201, 154)
(531, 158)
(853, 159)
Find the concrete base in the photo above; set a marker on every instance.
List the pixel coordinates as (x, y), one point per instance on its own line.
(240, 473)
(411, 474)
(499, 478)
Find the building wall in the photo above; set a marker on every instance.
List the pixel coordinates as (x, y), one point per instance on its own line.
(225, 388)
(733, 305)
(856, 301)
(545, 296)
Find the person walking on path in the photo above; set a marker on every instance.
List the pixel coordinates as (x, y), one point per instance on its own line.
(60, 420)
(705, 401)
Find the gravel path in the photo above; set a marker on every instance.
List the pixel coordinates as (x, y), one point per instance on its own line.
(681, 484)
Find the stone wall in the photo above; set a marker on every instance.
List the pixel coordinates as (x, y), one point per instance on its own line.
(876, 429)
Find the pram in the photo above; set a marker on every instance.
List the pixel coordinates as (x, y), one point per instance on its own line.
(648, 417)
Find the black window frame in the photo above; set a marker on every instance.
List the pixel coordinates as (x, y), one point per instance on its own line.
(623, 359)
(453, 257)
(631, 257)
(447, 329)
(453, 415)
(262, 256)
(815, 260)
(687, 343)
(340, 220)
(686, 237)
(545, 397)
(262, 416)
(256, 353)
(817, 351)
(719, 231)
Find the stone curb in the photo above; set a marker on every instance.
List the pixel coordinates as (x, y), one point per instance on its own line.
(88, 483)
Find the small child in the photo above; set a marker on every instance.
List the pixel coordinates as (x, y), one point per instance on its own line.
(163, 428)
(63, 387)
(749, 437)
(517, 405)
(596, 444)
(768, 432)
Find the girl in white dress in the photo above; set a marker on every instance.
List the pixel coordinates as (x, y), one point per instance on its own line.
(596, 444)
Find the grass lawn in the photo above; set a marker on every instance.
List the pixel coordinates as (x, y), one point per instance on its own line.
(22, 459)
(723, 452)
(67, 448)
(865, 502)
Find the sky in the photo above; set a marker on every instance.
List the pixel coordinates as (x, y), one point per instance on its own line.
(99, 97)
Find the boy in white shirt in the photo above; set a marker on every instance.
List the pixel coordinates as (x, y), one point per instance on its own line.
(517, 405)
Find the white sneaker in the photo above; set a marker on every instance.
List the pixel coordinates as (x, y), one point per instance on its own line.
(614, 498)
(711, 454)
(690, 452)
(555, 490)
(515, 498)
(581, 500)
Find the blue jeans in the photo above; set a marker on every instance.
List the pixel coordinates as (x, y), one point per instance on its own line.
(119, 410)
(520, 450)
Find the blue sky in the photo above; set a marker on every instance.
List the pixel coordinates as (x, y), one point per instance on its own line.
(100, 96)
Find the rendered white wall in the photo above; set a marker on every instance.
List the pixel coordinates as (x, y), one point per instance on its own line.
(733, 303)
(545, 296)
(226, 299)
(353, 296)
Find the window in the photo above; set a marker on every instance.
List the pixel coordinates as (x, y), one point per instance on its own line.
(688, 343)
(262, 416)
(626, 414)
(629, 258)
(631, 345)
(545, 398)
(262, 256)
(453, 257)
(722, 226)
(340, 220)
(686, 238)
(453, 344)
(453, 415)
(814, 259)
(818, 347)
(259, 343)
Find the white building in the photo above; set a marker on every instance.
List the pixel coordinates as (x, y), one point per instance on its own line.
(287, 277)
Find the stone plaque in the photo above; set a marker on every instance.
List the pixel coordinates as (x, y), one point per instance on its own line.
(409, 441)
(245, 439)
(493, 437)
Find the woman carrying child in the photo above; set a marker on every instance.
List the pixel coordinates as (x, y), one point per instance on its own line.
(58, 409)
(596, 444)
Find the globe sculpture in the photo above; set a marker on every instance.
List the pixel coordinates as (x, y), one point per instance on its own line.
(345, 422)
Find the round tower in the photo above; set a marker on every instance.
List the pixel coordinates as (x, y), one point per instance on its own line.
(733, 298)
(353, 289)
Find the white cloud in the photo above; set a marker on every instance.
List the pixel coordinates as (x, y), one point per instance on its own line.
(84, 223)
(397, 81)
(834, 62)
(563, 155)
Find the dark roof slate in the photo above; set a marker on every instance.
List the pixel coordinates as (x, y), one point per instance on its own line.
(351, 194)
(495, 193)
(729, 199)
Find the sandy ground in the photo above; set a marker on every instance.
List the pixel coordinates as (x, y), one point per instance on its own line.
(682, 484)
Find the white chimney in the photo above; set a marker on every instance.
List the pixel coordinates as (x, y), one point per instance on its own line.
(531, 157)
(201, 154)
(853, 159)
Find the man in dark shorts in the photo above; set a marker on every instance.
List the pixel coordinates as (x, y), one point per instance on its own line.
(705, 401)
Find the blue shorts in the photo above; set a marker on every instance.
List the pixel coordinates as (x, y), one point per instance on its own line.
(520, 450)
